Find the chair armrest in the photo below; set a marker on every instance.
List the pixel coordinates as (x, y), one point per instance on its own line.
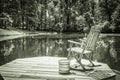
(74, 42)
(83, 39)
(82, 42)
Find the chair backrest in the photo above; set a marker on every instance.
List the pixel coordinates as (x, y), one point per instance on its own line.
(92, 38)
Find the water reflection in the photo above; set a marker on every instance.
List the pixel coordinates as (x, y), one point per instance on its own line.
(107, 49)
(30, 47)
(117, 49)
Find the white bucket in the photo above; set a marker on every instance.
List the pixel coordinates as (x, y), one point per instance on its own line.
(64, 66)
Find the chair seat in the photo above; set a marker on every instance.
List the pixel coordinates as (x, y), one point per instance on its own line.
(79, 50)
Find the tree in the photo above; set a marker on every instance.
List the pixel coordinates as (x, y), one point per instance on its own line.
(107, 7)
(116, 18)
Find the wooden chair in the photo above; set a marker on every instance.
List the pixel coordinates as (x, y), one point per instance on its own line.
(87, 46)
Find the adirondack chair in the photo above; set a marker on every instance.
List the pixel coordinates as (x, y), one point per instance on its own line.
(87, 45)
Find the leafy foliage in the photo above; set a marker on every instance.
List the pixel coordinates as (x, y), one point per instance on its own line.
(58, 15)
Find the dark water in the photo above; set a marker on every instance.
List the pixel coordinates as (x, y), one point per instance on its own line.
(108, 49)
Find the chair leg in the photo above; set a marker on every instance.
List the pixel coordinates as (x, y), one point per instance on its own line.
(82, 65)
(78, 58)
(90, 60)
(79, 61)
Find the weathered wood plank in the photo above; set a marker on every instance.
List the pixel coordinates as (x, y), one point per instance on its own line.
(30, 65)
(44, 67)
(46, 76)
(9, 78)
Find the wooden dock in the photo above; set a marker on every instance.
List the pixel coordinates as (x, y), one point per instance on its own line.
(44, 68)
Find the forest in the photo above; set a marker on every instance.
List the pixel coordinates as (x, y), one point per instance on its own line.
(60, 15)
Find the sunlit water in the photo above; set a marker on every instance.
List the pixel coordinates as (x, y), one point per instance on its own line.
(108, 50)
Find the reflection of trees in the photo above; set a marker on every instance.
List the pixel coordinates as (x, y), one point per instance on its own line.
(117, 49)
(6, 50)
(50, 46)
(107, 51)
(2, 52)
(9, 49)
(61, 47)
(102, 50)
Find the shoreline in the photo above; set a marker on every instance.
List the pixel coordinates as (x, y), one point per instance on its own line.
(12, 34)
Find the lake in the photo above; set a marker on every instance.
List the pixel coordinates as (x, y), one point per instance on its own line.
(107, 50)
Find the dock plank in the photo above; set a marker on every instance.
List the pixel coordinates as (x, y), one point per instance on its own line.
(46, 67)
(9, 78)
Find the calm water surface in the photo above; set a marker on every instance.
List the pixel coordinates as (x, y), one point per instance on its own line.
(108, 49)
